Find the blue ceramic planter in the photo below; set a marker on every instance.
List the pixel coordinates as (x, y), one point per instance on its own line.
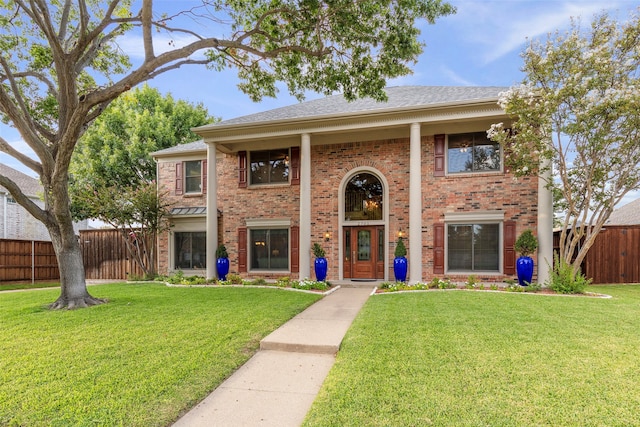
(222, 265)
(320, 266)
(524, 268)
(400, 269)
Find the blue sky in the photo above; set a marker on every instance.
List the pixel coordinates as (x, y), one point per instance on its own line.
(478, 46)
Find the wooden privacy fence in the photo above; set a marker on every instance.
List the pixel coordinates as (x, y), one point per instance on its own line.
(27, 260)
(105, 256)
(614, 256)
(104, 253)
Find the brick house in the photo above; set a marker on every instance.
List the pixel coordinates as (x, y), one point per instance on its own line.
(354, 176)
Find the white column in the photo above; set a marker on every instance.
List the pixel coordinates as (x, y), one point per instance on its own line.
(212, 211)
(415, 206)
(545, 226)
(305, 206)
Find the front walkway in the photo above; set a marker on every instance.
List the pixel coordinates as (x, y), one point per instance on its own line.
(277, 386)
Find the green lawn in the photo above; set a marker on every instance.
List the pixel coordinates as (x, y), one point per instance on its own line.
(452, 358)
(139, 360)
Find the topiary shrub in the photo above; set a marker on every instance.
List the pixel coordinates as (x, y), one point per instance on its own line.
(527, 243)
(401, 250)
(318, 252)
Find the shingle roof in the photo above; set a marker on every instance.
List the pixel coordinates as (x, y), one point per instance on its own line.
(628, 214)
(30, 186)
(399, 97)
(189, 147)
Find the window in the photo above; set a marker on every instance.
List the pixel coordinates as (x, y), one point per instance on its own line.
(363, 198)
(193, 176)
(269, 249)
(269, 167)
(472, 152)
(473, 247)
(190, 250)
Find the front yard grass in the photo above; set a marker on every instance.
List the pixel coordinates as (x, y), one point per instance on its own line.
(487, 359)
(141, 359)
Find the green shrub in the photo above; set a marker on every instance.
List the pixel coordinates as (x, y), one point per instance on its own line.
(472, 282)
(221, 252)
(527, 243)
(234, 279)
(401, 249)
(318, 252)
(563, 280)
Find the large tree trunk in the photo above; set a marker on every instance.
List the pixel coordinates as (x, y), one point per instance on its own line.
(73, 285)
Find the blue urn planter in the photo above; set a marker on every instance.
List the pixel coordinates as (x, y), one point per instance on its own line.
(400, 268)
(320, 266)
(222, 265)
(524, 268)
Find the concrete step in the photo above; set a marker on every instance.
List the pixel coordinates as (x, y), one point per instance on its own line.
(320, 328)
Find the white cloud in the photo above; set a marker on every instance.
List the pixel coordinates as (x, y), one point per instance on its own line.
(498, 28)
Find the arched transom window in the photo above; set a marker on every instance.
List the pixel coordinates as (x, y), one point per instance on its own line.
(363, 198)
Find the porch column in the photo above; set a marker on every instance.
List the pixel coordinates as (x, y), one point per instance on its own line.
(415, 206)
(212, 211)
(305, 206)
(545, 225)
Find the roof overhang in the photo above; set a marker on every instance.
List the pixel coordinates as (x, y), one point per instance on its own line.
(234, 137)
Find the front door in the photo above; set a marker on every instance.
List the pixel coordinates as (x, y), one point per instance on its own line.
(363, 253)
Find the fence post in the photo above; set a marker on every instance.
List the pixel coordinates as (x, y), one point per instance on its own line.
(33, 262)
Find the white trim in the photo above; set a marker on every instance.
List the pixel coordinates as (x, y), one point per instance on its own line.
(268, 222)
(476, 216)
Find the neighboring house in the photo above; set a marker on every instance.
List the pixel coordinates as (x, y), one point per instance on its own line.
(353, 176)
(15, 221)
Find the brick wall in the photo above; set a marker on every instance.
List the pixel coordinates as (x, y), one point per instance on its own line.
(329, 166)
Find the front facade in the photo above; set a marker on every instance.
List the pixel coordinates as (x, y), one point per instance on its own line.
(354, 177)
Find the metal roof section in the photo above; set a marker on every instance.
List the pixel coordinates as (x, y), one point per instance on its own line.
(189, 211)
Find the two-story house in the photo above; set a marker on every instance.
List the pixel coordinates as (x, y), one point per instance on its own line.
(16, 221)
(354, 176)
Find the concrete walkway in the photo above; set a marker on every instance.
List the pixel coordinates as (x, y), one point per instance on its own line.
(277, 386)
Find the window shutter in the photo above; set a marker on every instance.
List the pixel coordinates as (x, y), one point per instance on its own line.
(439, 152)
(242, 169)
(509, 247)
(295, 166)
(295, 249)
(179, 178)
(204, 176)
(438, 249)
(242, 249)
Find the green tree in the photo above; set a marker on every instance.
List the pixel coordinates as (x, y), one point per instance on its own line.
(114, 151)
(112, 172)
(61, 66)
(577, 113)
(139, 212)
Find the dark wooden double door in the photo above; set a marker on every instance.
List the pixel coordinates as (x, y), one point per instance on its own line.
(363, 253)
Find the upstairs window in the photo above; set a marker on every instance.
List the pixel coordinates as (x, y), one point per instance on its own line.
(193, 176)
(473, 152)
(269, 167)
